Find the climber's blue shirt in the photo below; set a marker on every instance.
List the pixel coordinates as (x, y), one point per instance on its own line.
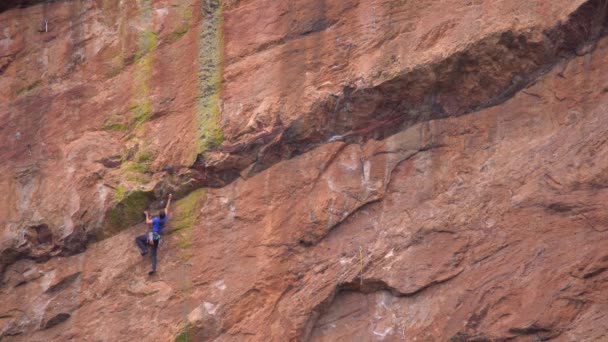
(158, 224)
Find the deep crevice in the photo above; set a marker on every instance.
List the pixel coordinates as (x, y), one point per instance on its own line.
(63, 284)
(57, 319)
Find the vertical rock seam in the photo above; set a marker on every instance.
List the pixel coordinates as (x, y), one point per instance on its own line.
(210, 57)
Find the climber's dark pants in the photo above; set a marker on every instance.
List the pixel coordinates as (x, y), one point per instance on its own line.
(142, 243)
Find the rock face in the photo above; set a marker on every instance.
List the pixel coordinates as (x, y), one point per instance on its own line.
(345, 170)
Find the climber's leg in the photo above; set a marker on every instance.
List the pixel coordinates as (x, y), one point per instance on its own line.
(142, 241)
(154, 250)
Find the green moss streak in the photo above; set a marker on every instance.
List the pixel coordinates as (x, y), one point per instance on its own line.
(210, 77)
(181, 337)
(116, 127)
(141, 111)
(137, 170)
(138, 178)
(120, 193)
(136, 167)
(29, 88)
(129, 210)
(141, 108)
(185, 215)
(148, 44)
(116, 122)
(144, 157)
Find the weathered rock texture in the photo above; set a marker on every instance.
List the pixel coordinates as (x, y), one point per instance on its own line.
(346, 170)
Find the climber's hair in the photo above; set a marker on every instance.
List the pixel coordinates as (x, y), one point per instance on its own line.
(161, 214)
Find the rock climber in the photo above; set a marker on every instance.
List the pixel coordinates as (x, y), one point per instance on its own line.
(153, 238)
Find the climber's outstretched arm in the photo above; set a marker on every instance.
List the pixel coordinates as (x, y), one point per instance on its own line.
(168, 204)
(148, 220)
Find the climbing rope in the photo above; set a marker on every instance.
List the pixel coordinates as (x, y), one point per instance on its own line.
(361, 264)
(374, 15)
(184, 265)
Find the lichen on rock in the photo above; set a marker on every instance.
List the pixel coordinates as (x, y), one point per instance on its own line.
(185, 216)
(129, 210)
(210, 78)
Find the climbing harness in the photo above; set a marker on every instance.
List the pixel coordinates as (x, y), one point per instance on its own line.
(153, 237)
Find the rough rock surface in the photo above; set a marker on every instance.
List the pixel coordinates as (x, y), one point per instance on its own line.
(346, 170)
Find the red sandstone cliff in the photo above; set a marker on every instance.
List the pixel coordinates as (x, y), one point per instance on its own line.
(355, 170)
